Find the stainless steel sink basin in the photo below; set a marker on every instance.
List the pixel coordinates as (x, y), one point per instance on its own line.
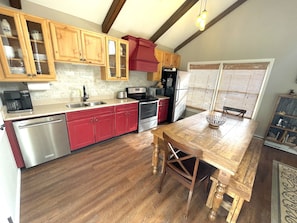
(94, 103)
(84, 104)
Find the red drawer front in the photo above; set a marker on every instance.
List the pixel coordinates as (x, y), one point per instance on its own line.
(70, 116)
(127, 107)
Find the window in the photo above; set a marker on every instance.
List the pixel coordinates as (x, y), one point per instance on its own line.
(236, 84)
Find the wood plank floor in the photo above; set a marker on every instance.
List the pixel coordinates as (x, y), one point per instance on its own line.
(112, 182)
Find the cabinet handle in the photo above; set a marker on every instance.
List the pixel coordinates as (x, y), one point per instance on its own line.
(29, 75)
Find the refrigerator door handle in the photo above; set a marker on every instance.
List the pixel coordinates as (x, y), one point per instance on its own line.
(177, 96)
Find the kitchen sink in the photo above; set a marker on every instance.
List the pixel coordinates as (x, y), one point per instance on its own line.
(85, 104)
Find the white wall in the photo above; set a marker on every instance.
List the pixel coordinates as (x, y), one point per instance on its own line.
(10, 181)
(257, 29)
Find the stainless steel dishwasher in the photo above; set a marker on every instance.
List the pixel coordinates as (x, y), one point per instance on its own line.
(42, 139)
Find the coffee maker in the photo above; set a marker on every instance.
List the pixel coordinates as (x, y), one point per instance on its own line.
(17, 101)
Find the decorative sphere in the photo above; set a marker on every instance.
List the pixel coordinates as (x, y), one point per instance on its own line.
(215, 120)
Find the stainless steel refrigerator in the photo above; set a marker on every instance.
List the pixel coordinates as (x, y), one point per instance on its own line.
(175, 83)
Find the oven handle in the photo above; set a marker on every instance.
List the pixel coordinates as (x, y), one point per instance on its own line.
(149, 102)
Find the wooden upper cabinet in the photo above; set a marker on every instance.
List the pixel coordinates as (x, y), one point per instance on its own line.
(117, 68)
(71, 44)
(93, 47)
(175, 60)
(66, 42)
(166, 62)
(156, 76)
(165, 59)
(26, 56)
(1, 73)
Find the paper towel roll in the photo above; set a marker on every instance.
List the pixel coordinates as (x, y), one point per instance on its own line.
(38, 86)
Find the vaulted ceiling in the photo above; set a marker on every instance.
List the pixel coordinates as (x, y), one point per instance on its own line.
(170, 23)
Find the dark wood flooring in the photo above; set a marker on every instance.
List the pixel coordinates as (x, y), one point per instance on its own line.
(112, 182)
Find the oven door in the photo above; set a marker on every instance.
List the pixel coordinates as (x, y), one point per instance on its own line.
(148, 109)
(148, 115)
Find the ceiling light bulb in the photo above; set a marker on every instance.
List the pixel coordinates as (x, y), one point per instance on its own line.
(198, 20)
(204, 14)
(202, 25)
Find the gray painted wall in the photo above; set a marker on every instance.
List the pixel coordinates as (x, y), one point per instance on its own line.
(257, 29)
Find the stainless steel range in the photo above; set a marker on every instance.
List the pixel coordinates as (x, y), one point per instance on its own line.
(148, 108)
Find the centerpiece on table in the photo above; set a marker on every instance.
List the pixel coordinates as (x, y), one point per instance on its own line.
(215, 119)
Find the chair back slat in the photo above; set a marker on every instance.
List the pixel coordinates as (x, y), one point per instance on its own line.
(234, 111)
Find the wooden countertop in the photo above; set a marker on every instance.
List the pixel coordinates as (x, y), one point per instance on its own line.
(52, 109)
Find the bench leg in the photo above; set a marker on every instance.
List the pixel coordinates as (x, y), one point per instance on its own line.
(235, 209)
(211, 194)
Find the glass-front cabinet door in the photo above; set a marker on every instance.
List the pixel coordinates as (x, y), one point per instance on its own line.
(39, 46)
(26, 55)
(112, 59)
(117, 60)
(13, 45)
(123, 55)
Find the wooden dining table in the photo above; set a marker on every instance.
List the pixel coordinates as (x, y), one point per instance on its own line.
(223, 147)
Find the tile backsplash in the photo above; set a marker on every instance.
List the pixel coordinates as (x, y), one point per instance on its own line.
(70, 80)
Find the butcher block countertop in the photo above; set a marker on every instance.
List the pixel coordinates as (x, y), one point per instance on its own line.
(53, 109)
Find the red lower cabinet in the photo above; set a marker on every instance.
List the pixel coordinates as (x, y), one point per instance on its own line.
(163, 110)
(90, 126)
(81, 133)
(104, 127)
(14, 144)
(126, 118)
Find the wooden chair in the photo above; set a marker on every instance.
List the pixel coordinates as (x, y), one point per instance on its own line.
(234, 111)
(182, 164)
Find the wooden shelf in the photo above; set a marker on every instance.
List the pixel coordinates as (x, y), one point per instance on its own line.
(282, 132)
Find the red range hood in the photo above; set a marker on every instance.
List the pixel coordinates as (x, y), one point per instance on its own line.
(141, 54)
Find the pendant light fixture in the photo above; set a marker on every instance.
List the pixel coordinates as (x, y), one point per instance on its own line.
(201, 19)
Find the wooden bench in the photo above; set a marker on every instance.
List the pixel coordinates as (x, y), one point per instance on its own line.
(241, 184)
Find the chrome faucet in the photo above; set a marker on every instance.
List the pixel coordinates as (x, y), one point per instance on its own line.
(85, 95)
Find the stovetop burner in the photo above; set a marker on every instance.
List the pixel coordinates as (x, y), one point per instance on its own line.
(139, 93)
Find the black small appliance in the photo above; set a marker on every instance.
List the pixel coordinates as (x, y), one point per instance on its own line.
(17, 101)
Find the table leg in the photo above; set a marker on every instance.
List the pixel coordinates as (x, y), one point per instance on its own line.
(155, 156)
(219, 194)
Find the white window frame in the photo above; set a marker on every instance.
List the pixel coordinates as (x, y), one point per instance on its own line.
(270, 62)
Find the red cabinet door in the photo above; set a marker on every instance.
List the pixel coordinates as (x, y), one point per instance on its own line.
(121, 123)
(163, 110)
(81, 133)
(104, 126)
(126, 118)
(132, 120)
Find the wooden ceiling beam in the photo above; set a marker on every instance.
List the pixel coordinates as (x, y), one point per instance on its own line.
(211, 23)
(15, 4)
(112, 14)
(175, 16)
